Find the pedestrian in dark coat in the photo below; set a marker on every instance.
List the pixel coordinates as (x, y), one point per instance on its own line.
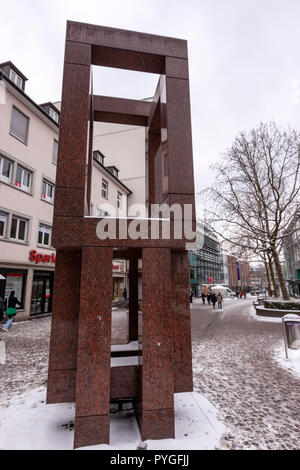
(11, 311)
(203, 298)
(213, 299)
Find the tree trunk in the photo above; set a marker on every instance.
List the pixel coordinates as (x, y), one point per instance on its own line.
(268, 278)
(284, 291)
(273, 278)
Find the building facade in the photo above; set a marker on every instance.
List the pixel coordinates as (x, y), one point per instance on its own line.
(206, 263)
(238, 273)
(291, 252)
(28, 154)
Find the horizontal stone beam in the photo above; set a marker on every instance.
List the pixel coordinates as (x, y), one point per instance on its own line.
(126, 40)
(121, 110)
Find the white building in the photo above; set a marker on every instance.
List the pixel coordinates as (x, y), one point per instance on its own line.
(28, 154)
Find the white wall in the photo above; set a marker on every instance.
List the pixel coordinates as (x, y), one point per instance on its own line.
(113, 188)
(37, 155)
(124, 147)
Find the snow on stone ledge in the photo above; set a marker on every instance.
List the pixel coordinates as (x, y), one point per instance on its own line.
(28, 423)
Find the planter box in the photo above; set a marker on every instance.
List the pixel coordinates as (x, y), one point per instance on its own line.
(272, 312)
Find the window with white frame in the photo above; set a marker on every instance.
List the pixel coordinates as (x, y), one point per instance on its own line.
(6, 167)
(19, 125)
(55, 152)
(53, 114)
(18, 228)
(104, 188)
(15, 78)
(119, 200)
(23, 178)
(3, 222)
(47, 191)
(44, 235)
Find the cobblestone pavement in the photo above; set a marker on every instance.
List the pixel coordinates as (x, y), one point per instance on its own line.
(234, 368)
(27, 351)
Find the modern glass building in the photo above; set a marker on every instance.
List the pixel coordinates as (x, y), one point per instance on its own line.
(206, 262)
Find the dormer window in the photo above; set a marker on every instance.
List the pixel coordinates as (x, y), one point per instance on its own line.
(53, 114)
(114, 171)
(98, 157)
(14, 77)
(13, 74)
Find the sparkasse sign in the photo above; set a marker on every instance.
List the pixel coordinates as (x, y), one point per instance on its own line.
(37, 258)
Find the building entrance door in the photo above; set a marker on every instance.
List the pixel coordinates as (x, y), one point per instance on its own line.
(42, 289)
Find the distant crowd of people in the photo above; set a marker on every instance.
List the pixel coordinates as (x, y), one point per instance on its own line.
(212, 298)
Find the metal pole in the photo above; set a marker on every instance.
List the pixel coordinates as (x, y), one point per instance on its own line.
(285, 339)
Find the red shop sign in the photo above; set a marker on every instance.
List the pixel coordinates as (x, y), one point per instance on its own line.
(37, 258)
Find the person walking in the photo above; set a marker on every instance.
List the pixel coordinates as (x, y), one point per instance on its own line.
(208, 298)
(191, 296)
(213, 299)
(219, 300)
(11, 311)
(203, 298)
(1, 309)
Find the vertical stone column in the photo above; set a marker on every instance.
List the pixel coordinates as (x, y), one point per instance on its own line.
(183, 374)
(156, 410)
(72, 151)
(133, 298)
(64, 327)
(94, 344)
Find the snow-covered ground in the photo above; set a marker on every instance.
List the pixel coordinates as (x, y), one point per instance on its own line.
(28, 423)
(246, 395)
(236, 368)
(292, 363)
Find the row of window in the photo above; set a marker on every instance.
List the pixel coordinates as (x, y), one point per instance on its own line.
(15, 174)
(105, 193)
(16, 228)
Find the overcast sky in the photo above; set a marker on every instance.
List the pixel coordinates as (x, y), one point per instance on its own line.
(244, 58)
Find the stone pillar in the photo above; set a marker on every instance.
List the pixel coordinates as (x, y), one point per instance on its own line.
(92, 415)
(156, 409)
(183, 374)
(133, 298)
(64, 328)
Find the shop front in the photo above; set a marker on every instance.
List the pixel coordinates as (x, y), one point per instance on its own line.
(13, 280)
(42, 282)
(32, 282)
(42, 293)
(119, 279)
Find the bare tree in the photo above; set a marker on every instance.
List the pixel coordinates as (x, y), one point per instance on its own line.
(256, 192)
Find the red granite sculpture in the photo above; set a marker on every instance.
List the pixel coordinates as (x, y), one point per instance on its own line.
(80, 349)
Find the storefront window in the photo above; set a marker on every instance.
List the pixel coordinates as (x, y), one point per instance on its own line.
(42, 291)
(14, 280)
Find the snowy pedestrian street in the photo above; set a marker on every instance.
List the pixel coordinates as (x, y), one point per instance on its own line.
(246, 393)
(235, 358)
